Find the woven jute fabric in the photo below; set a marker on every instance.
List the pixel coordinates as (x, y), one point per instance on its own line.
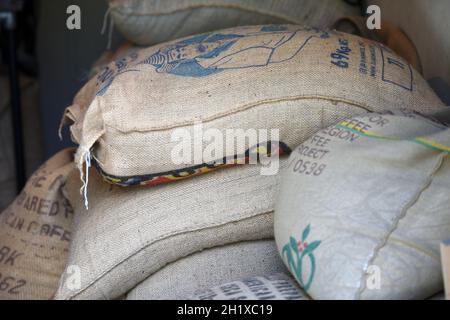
(150, 22)
(282, 77)
(269, 287)
(210, 268)
(130, 233)
(35, 232)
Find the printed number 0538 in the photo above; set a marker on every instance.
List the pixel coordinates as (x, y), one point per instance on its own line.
(309, 168)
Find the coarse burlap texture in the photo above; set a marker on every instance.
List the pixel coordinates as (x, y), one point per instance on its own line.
(108, 56)
(364, 206)
(35, 231)
(148, 22)
(209, 268)
(130, 233)
(270, 77)
(272, 287)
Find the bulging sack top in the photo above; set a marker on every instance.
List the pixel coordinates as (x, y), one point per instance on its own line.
(364, 206)
(285, 77)
(147, 22)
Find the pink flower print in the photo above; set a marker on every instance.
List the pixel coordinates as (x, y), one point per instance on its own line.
(302, 246)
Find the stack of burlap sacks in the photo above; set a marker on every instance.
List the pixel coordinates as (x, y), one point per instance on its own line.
(146, 227)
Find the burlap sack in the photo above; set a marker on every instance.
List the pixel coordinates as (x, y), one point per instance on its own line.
(272, 77)
(209, 268)
(364, 206)
(445, 262)
(273, 287)
(124, 50)
(276, 287)
(130, 233)
(155, 21)
(35, 231)
(389, 34)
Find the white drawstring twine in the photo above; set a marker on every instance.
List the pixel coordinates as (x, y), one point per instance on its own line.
(85, 180)
(105, 20)
(111, 27)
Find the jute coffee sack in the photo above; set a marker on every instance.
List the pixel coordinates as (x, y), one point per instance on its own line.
(126, 49)
(155, 21)
(389, 34)
(364, 206)
(35, 231)
(273, 287)
(130, 233)
(209, 268)
(263, 77)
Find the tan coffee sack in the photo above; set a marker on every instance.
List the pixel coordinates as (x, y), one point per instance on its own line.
(281, 77)
(271, 287)
(155, 21)
(209, 268)
(445, 258)
(364, 206)
(35, 231)
(130, 233)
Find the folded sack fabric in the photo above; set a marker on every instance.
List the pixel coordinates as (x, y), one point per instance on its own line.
(35, 232)
(209, 268)
(147, 22)
(366, 219)
(131, 118)
(130, 233)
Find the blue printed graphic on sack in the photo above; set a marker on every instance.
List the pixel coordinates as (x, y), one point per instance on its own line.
(211, 53)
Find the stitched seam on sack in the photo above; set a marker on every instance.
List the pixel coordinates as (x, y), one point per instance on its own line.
(245, 108)
(404, 213)
(163, 237)
(129, 13)
(393, 239)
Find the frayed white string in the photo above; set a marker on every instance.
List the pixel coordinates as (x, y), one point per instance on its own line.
(111, 27)
(85, 180)
(105, 20)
